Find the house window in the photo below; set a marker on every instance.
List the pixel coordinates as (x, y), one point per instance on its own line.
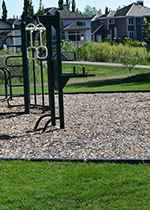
(131, 34)
(79, 23)
(130, 21)
(111, 21)
(63, 35)
(71, 36)
(76, 36)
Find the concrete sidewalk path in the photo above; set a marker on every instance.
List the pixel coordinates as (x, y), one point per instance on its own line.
(103, 64)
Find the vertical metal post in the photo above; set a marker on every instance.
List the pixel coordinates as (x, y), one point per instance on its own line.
(59, 69)
(74, 69)
(50, 71)
(83, 70)
(25, 69)
(5, 77)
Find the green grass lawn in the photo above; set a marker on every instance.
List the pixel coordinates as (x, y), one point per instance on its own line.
(56, 185)
(137, 82)
(102, 71)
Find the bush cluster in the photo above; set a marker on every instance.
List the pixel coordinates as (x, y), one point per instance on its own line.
(108, 52)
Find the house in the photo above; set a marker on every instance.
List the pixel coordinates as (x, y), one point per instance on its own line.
(126, 22)
(75, 27)
(3, 35)
(11, 23)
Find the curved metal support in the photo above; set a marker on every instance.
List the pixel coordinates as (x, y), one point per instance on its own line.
(9, 78)
(50, 120)
(9, 98)
(37, 123)
(15, 56)
(12, 45)
(5, 78)
(4, 69)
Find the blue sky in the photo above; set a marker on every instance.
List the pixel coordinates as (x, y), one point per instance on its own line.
(15, 7)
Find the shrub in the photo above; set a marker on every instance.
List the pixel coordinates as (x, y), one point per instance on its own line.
(133, 43)
(130, 60)
(67, 46)
(108, 52)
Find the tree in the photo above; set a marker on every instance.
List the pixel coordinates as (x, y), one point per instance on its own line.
(106, 10)
(77, 11)
(4, 12)
(60, 4)
(68, 4)
(146, 30)
(41, 8)
(90, 11)
(27, 9)
(130, 60)
(119, 7)
(73, 5)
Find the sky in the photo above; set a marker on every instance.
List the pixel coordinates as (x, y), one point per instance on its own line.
(15, 7)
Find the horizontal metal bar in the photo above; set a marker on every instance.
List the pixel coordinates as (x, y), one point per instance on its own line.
(42, 17)
(10, 29)
(14, 45)
(117, 161)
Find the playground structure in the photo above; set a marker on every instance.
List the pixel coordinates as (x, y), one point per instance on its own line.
(56, 79)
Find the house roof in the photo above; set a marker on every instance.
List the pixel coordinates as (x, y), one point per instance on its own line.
(95, 17)
(133, 9)
(16, 22)
(65, 14)
(71, 27)
(5, 21)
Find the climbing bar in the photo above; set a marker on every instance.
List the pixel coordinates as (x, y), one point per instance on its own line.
(13, 56)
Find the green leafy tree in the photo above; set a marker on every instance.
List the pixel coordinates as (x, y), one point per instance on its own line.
(119, 7)
(146, 30)
(130, 60)
(77, 11)
(27, 9)
(90, 11)
(41, 8)
(73, 6)
(133, 43)
(4, 11)
(60, 4)
(68, 4)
